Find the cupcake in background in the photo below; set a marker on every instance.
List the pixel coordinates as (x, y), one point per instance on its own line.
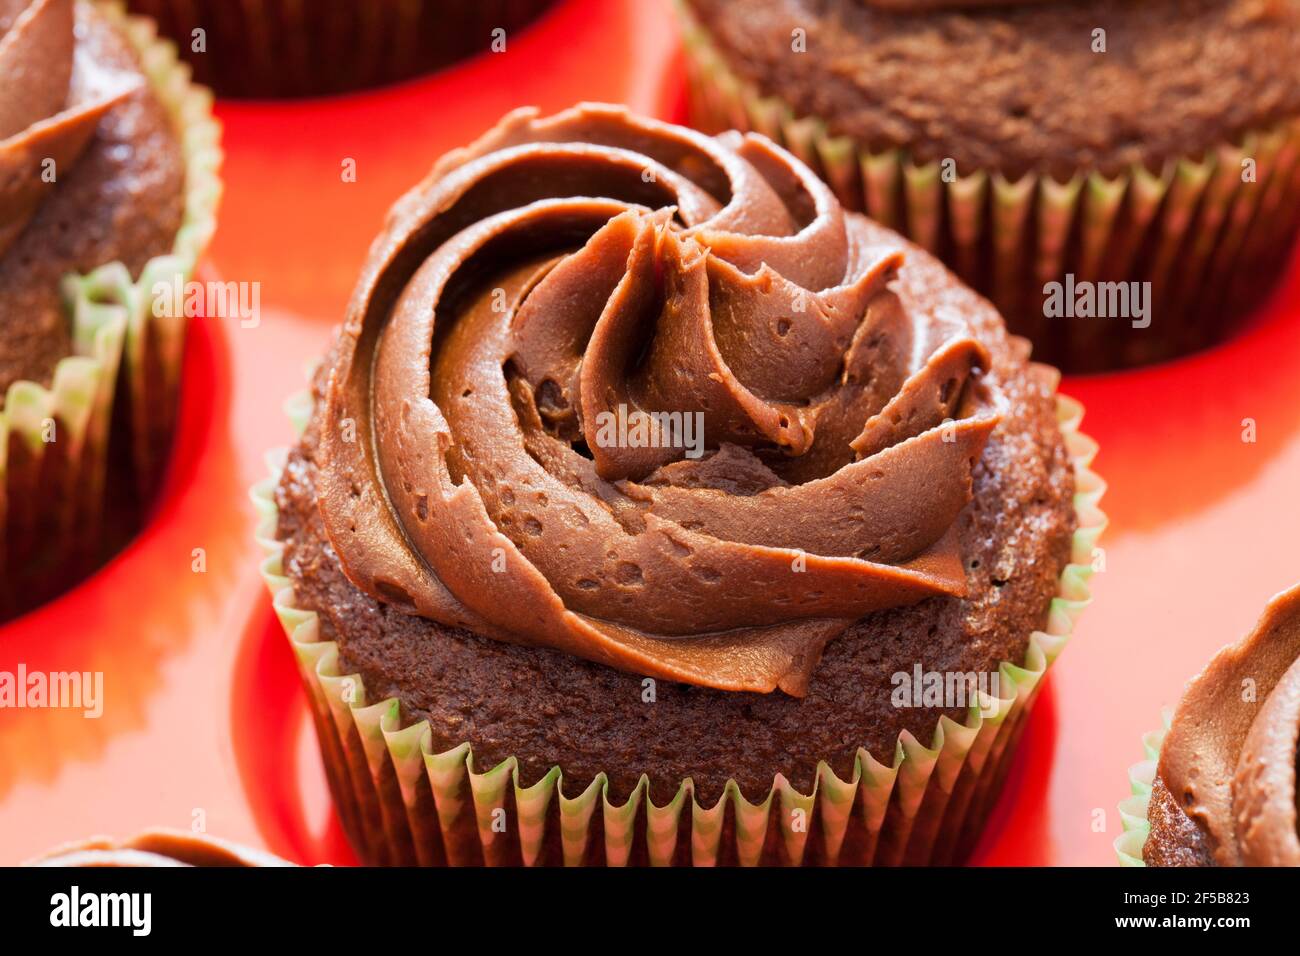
(654, 552)
(1042, 148)
(1219, 787)
(159, 847)
(108, 185)
(290, 48)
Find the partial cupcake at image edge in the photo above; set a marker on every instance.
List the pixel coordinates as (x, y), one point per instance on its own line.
(1218, 787)
(1041, 149)
(526, 640)
(109, 159)
(154, 848)
(292, 48)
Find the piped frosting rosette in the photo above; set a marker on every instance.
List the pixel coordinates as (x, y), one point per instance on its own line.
(508, 320)
(1220, 787)
(51, 100)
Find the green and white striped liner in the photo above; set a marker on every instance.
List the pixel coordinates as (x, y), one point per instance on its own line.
(1133, 810)
(401, 802)
(112, 320)
(1192, 230)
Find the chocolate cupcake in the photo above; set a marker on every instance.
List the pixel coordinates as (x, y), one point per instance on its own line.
(1045, 149)
(158, 847)
(628, 555)
(107, 186)
(289, 48)
(1220, 787)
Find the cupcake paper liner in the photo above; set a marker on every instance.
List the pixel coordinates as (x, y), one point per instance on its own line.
(290, 48)
(1133, 810)
(52, 492)
(1209, 244)
(401, 802)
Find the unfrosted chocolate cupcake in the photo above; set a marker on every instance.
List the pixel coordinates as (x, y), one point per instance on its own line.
(285, 48)
(158, 847)
(1224, 787)
(107, 183)
(1041, 147)
(640, 462)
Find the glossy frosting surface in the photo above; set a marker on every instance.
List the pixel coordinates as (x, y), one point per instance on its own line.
(500, 450)
(51, 100)
(1229, 760)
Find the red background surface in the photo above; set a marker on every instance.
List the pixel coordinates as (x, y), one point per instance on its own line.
(203, 710)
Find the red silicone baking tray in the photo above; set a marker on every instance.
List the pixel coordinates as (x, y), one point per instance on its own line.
(204, 720)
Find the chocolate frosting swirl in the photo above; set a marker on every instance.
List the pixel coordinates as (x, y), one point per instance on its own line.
(159, 847)
(51, 100)
(563, 272)
(1230, 756)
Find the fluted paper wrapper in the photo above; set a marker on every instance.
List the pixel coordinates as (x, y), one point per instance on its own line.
(288, 48)
(1133, 810)
(54, 442)
(1209, 243)
(403, 803)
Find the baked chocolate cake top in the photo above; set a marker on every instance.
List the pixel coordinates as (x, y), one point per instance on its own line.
(91, 171)
(1050, 87)
(156, 848)
(686, 430)
(1226, 790)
